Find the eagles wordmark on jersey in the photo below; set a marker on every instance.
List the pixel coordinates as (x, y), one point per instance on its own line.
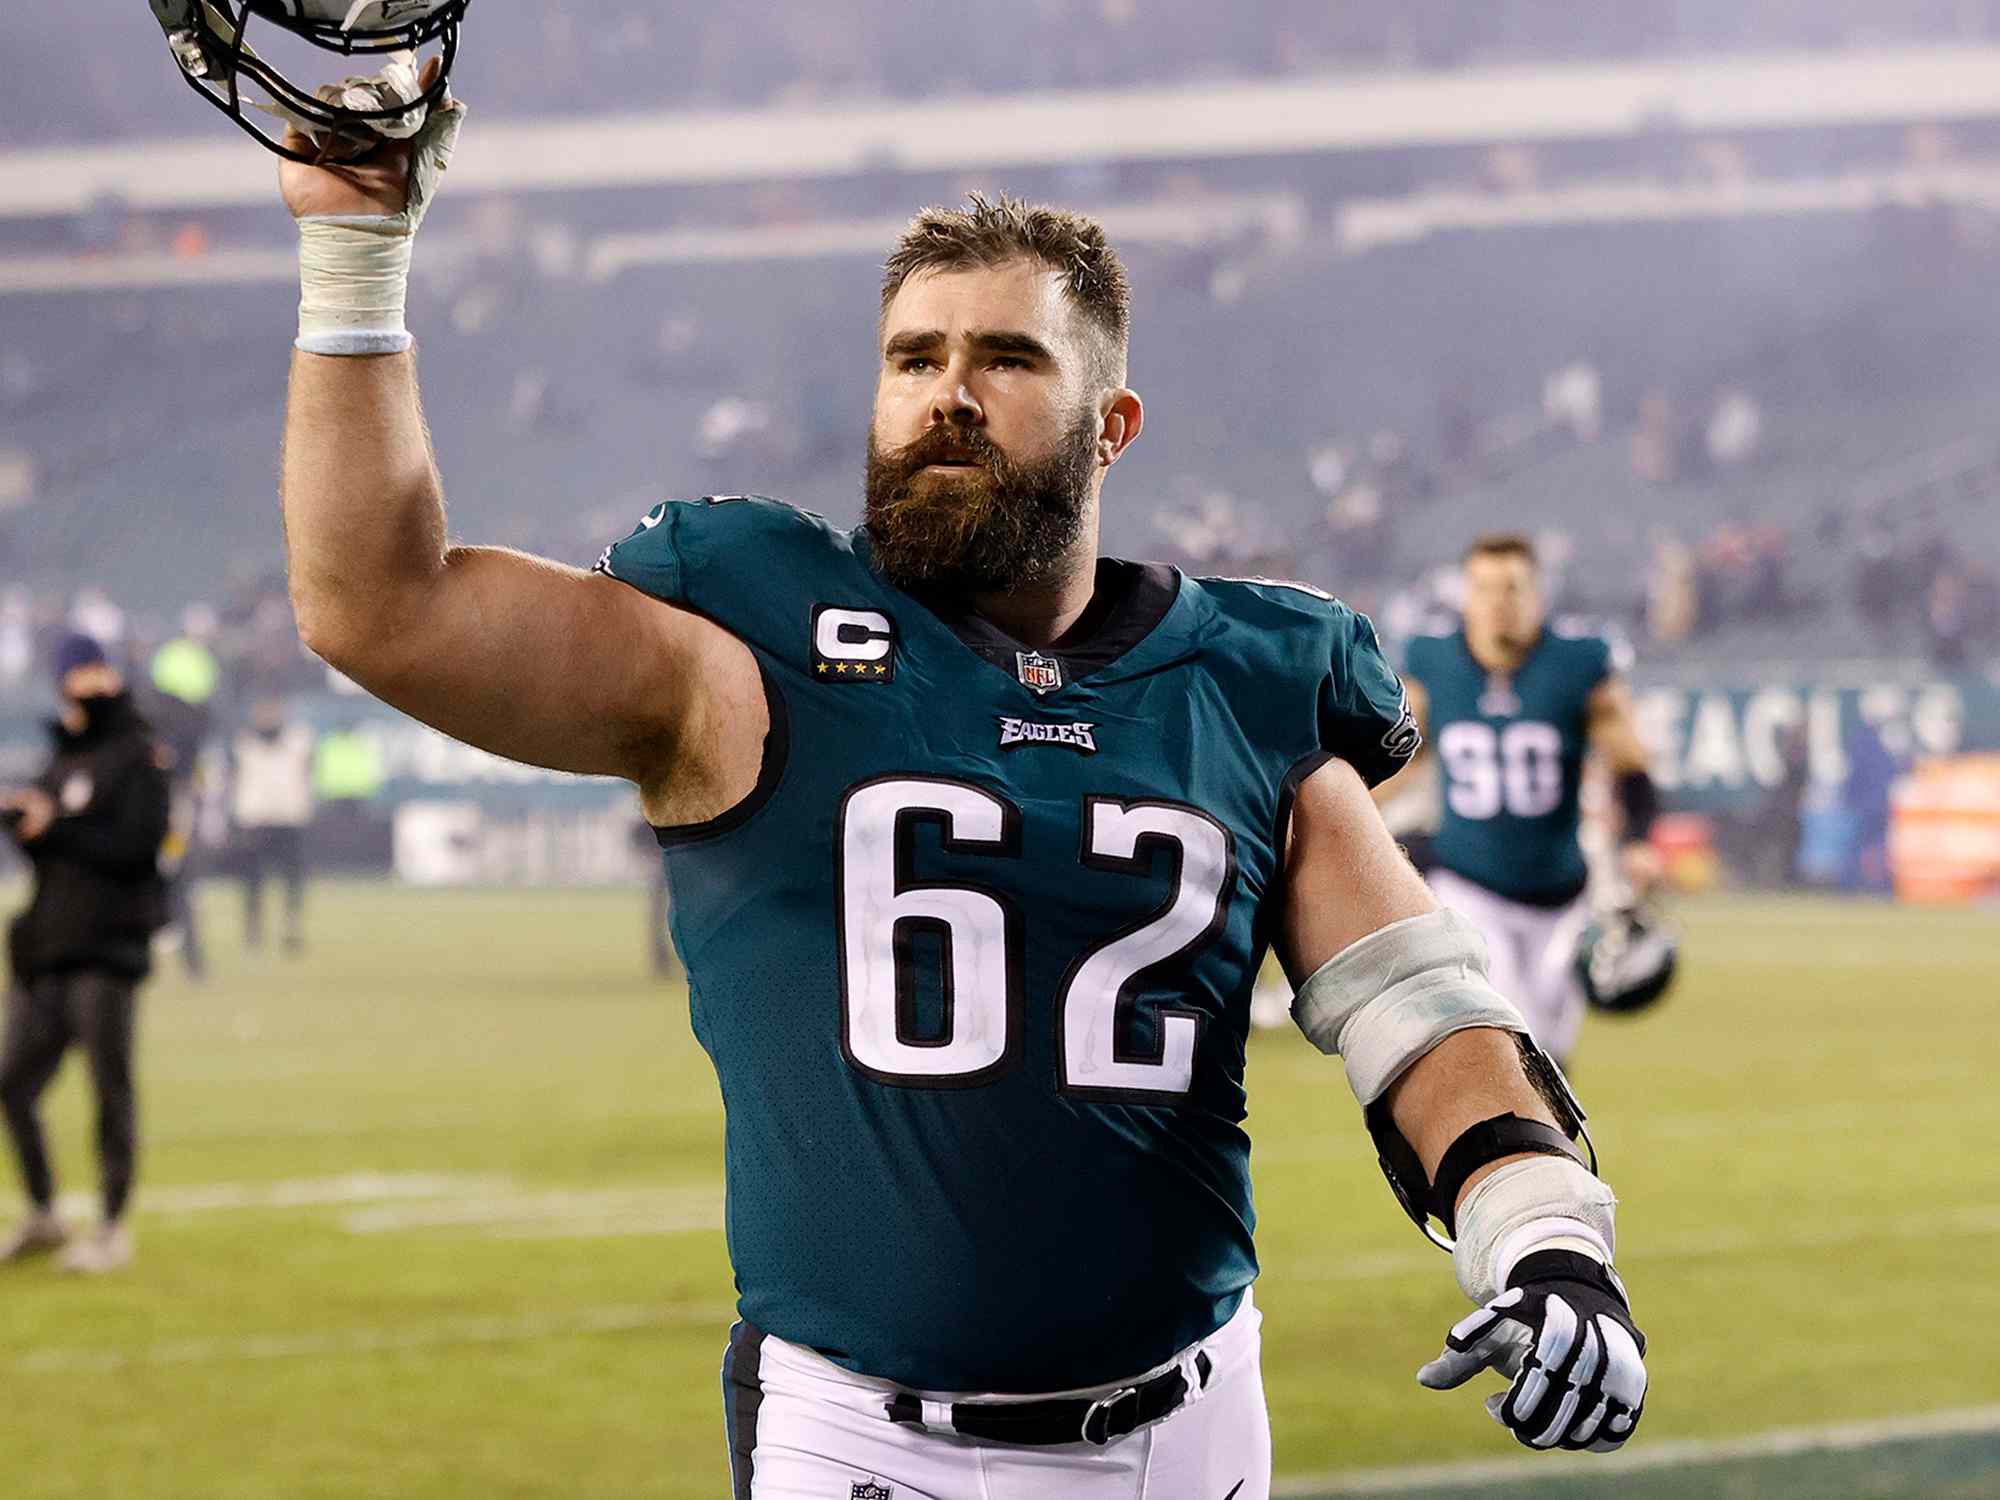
(973, 960)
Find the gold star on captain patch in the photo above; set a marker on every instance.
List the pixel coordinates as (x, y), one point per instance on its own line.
(821, 669)
(841, 668)
(881, 671)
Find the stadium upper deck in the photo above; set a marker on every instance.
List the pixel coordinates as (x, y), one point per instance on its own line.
(534, 60)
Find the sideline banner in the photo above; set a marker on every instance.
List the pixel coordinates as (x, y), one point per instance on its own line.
(1719, 737)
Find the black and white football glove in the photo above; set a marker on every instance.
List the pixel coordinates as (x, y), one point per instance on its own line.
(1563, 1333)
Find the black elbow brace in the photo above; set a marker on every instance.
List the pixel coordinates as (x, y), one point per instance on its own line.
(1489, 1140)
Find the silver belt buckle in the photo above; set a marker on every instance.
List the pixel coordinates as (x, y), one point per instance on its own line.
(1101, 1408)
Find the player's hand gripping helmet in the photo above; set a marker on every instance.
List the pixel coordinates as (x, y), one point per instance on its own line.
(210, 42)
(1625, 960)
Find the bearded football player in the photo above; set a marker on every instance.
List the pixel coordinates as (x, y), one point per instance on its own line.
(976, 839)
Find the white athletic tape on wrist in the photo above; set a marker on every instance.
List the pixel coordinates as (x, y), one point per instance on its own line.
(354, 278)
(354, 269)
(1543, 1204)
(1383, 1002)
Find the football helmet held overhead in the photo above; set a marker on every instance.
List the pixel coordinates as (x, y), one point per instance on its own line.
(210, 42)
(1625, 960)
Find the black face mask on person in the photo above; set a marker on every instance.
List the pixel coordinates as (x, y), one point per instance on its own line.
(94, 710)
(992, 526)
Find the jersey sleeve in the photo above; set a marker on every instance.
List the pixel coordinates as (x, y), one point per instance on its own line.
(681, 546)
(1418, 654)
(647, 558)
(1364, 714)
(746, 562)
(1601, 652)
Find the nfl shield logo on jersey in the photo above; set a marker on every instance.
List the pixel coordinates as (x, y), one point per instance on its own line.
(868, 1489)
(1042, 673)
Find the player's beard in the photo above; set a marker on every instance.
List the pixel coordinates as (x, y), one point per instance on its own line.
(986, 529)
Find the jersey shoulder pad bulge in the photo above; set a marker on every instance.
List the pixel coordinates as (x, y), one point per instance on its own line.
(1601, 648)
(754, 565)
(1365, 714)
(1302, 633)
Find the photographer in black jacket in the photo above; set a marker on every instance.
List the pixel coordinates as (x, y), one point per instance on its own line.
(91, 827)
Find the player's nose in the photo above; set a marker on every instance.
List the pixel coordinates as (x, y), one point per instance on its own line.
(954, 401)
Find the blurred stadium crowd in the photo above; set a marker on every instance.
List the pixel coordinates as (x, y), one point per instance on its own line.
(1805, 478)
(541, 59)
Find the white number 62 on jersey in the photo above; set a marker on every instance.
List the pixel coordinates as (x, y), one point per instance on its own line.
(979, 932)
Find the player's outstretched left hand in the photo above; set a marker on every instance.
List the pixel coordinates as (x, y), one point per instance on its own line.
(1563, 1333)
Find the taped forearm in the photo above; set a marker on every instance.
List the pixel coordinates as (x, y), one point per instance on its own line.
(1387, 1000)
(1525, 1206)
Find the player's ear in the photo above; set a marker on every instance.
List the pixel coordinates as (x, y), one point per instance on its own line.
(1121, 414)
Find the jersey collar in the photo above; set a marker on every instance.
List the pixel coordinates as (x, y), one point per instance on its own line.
(1129, 602)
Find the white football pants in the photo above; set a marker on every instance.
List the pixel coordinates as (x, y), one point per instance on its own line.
(821, 1432)
(1532, 948)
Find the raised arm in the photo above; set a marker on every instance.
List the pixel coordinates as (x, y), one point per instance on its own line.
(530, 659)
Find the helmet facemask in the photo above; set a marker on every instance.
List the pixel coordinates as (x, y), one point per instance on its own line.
(210, 43)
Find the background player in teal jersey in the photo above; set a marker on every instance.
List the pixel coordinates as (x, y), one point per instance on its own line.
(976, 841)
(1511, 703)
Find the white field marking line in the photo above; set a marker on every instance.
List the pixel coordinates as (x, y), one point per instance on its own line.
(1747, 1123)
(280, 1130)
(292, 1130)
(1783, 1442)
(1752, 954)
(298, 1192)
(444, 1333)
(1892, 919)
(666, 1209)
(637, 1227)
(1698, 1124)
(1983, 1218)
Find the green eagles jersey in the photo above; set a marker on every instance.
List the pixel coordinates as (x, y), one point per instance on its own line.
(1510, 751)
(973, 961)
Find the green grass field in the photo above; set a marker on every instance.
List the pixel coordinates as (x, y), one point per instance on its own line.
(435, 1212)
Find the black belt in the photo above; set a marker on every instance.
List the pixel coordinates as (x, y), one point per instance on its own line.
(1063, 1419)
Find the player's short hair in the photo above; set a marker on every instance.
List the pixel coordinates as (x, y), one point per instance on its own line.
(1503, 544)
(990, 232)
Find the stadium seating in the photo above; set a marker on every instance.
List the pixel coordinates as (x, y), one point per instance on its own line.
(563, 409)
(540, 60)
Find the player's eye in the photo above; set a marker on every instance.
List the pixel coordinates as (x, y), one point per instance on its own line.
(1010, 362)
(916, 365)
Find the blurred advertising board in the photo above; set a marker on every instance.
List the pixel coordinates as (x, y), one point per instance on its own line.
(1944, 830)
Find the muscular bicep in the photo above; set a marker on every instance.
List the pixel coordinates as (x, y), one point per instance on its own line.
(1614, 728)
(1344, 874)
(547, 664)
